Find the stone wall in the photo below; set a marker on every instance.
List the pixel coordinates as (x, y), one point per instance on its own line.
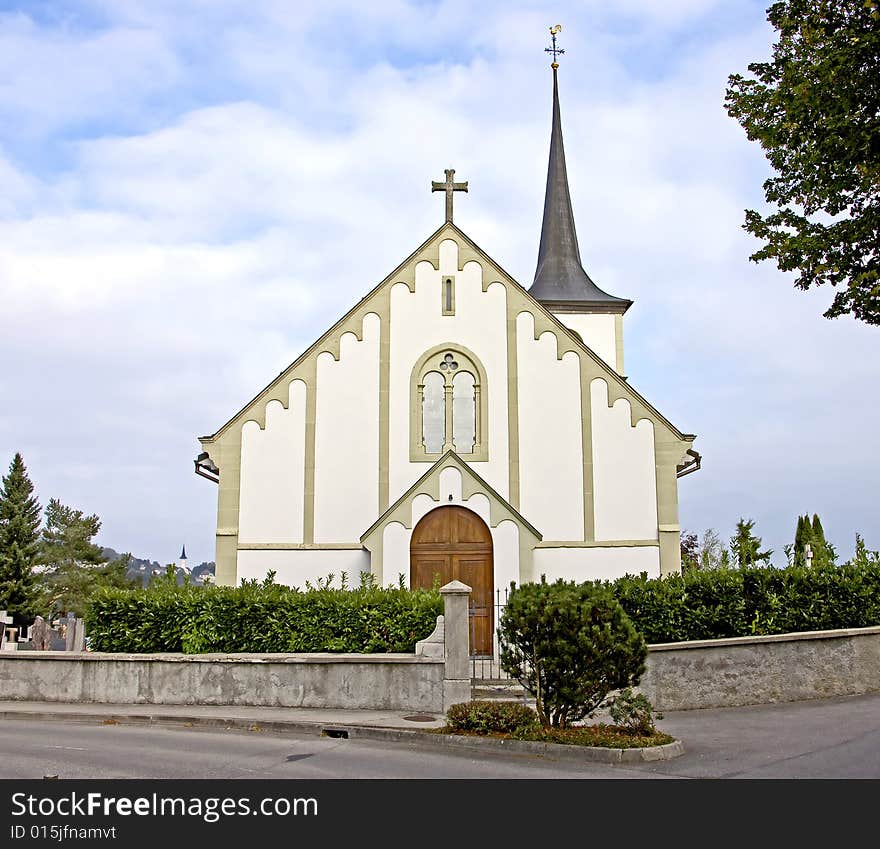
(679, 676)
(375, 682)
(761, 670)
(435, 676)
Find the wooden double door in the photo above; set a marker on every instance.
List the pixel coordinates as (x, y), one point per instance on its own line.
(455, 544)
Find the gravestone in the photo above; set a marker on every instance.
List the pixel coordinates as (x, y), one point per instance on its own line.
(69, 628)
(41, 634)
(56, 636)
(79, 636)
(5, 620)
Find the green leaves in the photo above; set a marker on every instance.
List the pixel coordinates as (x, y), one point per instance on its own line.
(570, 645)
(756, 600)
(745, 547)
(815, 109)
(490, 717)
(260, 617)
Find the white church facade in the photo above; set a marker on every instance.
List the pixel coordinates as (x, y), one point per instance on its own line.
(454, 424)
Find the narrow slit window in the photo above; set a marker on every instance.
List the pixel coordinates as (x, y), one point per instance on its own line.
(464, 413)
(448, 292)
(433, 412)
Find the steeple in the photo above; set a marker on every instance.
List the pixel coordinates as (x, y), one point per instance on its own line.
(561, 283)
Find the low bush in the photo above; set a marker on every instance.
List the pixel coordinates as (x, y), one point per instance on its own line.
(260, 617)
(517, 721)
(601, 735)
(633, 712)
(488, 717)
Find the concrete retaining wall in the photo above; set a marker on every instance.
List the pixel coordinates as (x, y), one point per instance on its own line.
(680, 676)
(430, 680)
(760, 670)
(353, 681)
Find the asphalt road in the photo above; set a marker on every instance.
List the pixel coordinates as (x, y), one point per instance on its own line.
(835, 738)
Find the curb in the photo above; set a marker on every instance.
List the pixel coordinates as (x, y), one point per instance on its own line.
(554, 751)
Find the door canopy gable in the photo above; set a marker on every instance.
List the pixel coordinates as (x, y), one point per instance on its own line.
(429, 484)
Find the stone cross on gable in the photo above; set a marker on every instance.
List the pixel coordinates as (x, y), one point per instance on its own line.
(449, 187)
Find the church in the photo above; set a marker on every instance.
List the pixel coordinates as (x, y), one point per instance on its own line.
(456, 425)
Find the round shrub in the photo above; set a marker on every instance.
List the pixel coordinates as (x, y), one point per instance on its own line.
(570, 645)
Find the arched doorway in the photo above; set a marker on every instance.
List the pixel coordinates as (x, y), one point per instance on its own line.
(455, 544)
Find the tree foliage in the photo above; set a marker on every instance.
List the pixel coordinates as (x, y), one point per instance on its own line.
(863, 557)
(815, 109)
(74, 566)
(811, 533)
(711, 553)
(19, 543)
(690, 551)
(570, 645)
(745, 547)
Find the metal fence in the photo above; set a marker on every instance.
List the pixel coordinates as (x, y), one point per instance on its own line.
(487, 667)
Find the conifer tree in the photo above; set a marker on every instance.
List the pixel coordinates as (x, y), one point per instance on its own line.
(74, 564)
(823, 552)
(746, 547)
(19, 543)
(801, 537)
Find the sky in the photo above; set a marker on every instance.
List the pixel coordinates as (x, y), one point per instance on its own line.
(192, 192)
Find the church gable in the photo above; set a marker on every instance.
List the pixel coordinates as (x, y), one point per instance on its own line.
(349, 426)
(377, 302)
(451, 481)
(450, 383)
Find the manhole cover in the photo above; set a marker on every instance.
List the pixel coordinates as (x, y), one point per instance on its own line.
(420, 717)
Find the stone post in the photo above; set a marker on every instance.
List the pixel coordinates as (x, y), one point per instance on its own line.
(70, 626)
(457, 674)
(79, 635)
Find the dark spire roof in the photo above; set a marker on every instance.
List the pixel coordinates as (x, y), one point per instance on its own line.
(560, 280)
(183, 553)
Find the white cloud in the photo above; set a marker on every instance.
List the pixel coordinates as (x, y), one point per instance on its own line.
(236, 181)
(56, 75)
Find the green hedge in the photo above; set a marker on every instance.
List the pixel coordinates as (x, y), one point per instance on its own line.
(260, 618)
(752, 601)
(273, 618)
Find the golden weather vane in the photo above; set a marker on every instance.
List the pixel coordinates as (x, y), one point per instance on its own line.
(554, 31)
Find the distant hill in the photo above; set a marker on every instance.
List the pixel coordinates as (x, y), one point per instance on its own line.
(143, 570)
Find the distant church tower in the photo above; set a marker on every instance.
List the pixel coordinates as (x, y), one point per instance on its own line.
(560, 283)
(181, 563)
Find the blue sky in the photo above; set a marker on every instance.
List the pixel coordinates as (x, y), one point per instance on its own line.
(194, 191)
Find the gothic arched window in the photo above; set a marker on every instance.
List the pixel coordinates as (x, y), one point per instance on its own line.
(448, 405)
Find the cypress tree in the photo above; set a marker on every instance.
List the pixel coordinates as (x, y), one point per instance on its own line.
(823, 551)
(800, 539)
(19, 543)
